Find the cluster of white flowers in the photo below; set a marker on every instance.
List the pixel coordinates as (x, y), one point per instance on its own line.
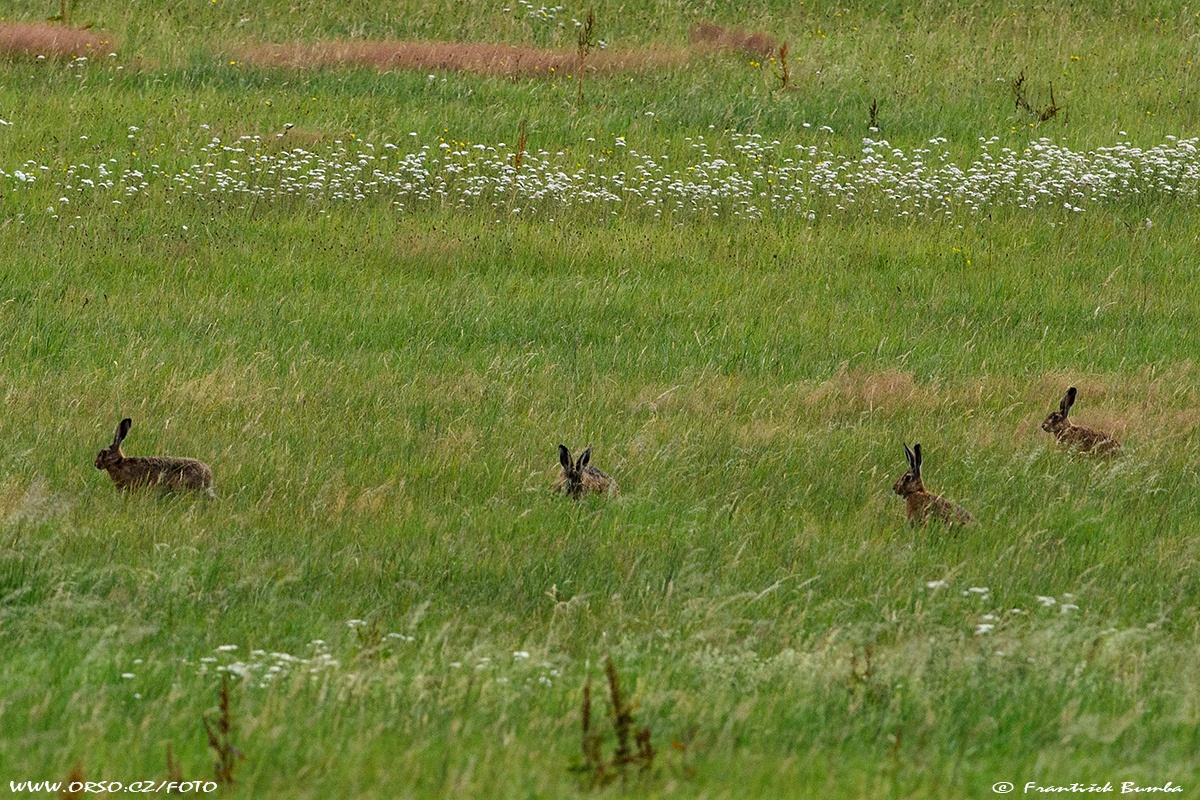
(261, 668)
(521, 668)
(753, 179)
(536, 13)
(987, 622)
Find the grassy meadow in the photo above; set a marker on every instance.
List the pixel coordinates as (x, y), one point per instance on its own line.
(379, 370)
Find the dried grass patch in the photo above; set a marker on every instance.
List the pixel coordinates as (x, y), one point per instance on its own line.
(433, 247)
(31, 503)
(477, 57)
(712, 36)
(890, 390)
(52, 41)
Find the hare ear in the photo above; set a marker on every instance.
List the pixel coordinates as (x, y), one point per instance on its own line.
(1067, 401)
(122, 431)
(917, 462)
(564, 456)
(585, 458)
(912, 459)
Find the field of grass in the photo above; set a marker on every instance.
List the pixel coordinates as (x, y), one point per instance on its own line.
(378, 352)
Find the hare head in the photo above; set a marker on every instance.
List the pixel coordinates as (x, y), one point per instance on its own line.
(1057, 421)
(910, 482)
(573, 470)
(111, 457)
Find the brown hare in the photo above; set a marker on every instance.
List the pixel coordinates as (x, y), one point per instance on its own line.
(162, 472)
(1085, 440)
(578, 478)
(920, 504)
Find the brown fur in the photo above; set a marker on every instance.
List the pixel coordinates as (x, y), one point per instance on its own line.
(162, 472)
(1085, 440)
(579, 478)
(919, 503)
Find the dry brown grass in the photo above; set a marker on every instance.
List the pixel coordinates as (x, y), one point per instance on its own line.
(481, 58)
(29, 503)
(52, 41)
(220, 738)
(859, 389)
(597, 771)
(1160, 405)
(710, 35)
(432, 246)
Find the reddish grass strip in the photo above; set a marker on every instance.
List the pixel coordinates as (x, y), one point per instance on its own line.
(755, 43)
(52, 41)
(484, 59)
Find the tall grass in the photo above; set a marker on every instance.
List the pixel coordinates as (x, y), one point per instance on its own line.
(401, 607)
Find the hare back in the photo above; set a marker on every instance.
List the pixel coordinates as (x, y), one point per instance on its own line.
(591, 481)
(951, 513)
(595, 480)
(923, 505)
(164, 472)
(1087, 440)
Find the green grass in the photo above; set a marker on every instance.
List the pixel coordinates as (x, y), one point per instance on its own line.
(381, 392)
